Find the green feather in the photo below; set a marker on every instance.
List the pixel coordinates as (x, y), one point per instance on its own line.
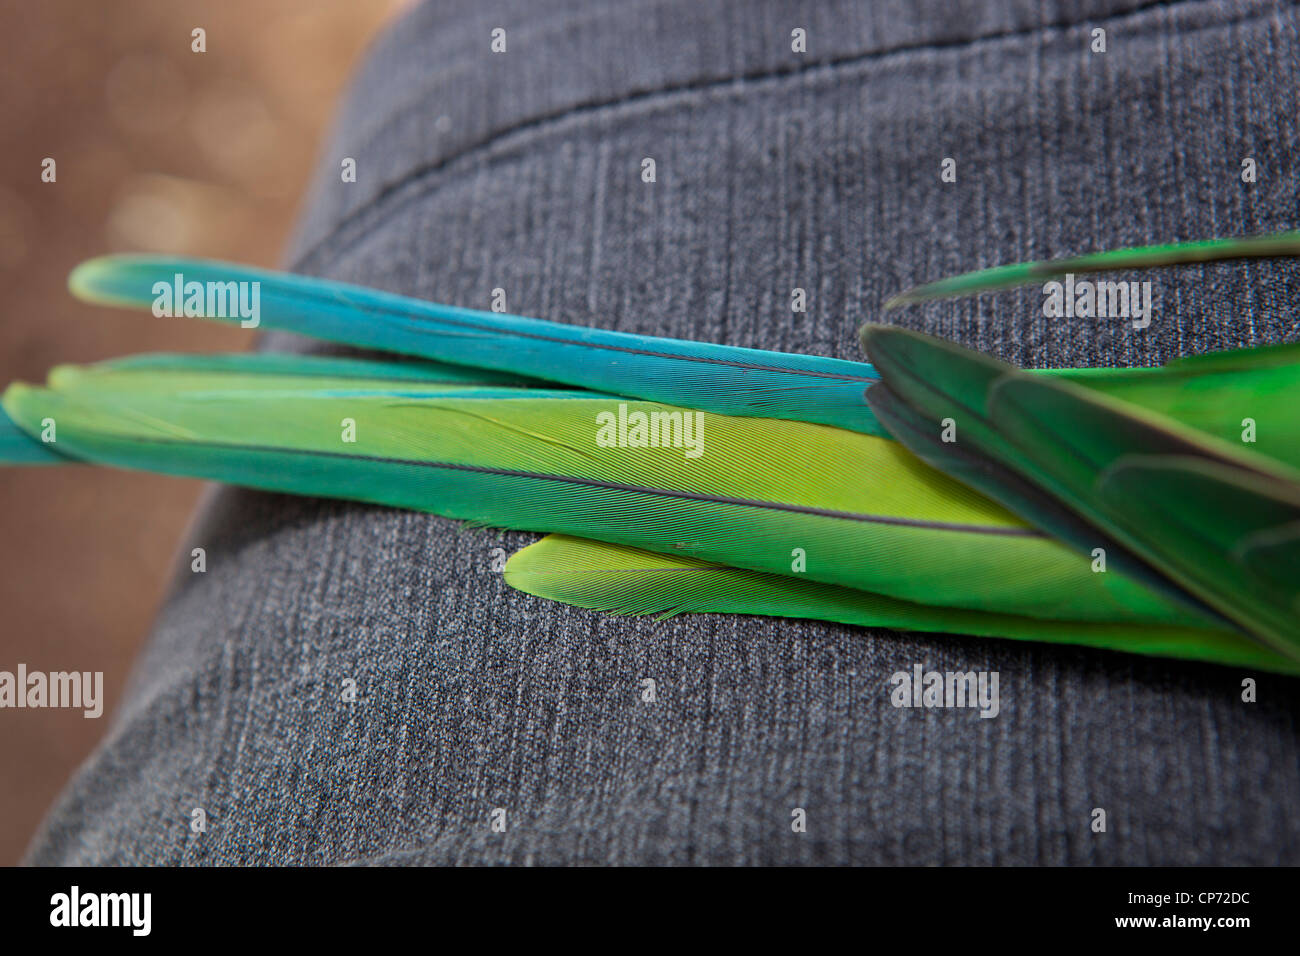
(187, 371)
(622, 580)
(1143, 257)
(930, 390)
(1213, 392)
(1201, 493)
(1260, 356)
(1227, 399)
(1091, 452)
(965, 461)
(1218, 397)
(863, 510)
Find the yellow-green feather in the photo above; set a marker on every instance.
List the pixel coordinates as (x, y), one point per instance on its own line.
(623, 580)
(861, 511)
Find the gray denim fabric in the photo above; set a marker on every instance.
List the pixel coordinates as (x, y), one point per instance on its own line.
(522, 171)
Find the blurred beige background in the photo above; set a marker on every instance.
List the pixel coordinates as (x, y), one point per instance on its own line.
(162, 149)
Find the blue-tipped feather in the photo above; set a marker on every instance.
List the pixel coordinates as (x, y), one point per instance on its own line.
(716, 378)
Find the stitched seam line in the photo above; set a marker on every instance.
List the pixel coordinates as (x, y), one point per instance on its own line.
(351, 228)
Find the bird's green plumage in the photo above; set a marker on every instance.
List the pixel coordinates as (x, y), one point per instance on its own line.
(622, 580)
(863, 511)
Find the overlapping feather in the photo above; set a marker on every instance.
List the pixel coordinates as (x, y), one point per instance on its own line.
(1218, 520)
(781, 514)
(772, 495)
